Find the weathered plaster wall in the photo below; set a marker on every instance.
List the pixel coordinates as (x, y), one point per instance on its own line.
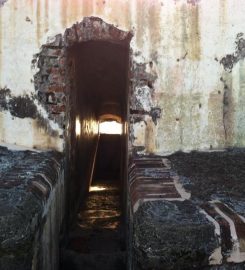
(193, 102)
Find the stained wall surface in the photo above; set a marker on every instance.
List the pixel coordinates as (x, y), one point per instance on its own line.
(192, 50)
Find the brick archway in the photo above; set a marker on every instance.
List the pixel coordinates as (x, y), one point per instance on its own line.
(57, 91)
(53, 82)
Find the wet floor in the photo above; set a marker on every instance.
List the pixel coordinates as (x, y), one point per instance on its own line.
(97, 240)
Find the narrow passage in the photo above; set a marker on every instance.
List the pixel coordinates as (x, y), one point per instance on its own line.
(97, 239)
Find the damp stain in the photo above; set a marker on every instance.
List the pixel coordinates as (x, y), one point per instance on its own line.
(230, 60)
(38, 22)
(228, 110)
(190, 32)
(24, 107)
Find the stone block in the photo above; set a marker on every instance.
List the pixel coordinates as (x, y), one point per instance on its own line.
(50, 52)
(172, 235)
(56, 78)
(57, 88)
(62, 61)
(27, 180)
(57, 109)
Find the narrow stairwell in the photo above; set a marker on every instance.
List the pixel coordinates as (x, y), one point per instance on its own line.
(97, 240)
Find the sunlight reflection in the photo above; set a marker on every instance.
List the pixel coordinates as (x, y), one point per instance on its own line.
(110, 127)
(78, 127)
(96, 188)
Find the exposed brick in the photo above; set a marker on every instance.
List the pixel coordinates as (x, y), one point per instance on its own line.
(115, 33)
(47, 62)
(62, 61)
(57, 79)
(56, 88)
(57, 109)
(57, 71)
(70, 36)
(50, 52)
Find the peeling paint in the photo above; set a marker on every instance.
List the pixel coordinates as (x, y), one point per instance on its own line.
(231, 59)
(25, 109)
(27, 132)
(173, 51)
(20, 106)
(143, 98)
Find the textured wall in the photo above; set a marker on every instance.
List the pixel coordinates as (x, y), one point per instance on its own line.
(32, 199)
(199, 100)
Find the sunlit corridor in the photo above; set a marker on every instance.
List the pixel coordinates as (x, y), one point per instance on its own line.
(97, 239)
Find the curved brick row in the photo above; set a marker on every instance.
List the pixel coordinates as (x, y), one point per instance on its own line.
(167, 223)
(54, 80)
(152, 179)
(230, 229)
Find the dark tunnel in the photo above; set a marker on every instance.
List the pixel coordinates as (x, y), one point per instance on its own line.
(101, 80)
(101, 71)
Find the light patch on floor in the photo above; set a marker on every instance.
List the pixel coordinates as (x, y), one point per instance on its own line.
(96, 188)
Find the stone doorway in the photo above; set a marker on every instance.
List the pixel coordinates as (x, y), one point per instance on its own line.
(70, 98)
(82, 81)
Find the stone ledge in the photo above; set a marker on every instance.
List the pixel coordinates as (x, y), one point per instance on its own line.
(172, 235)
(28, 181)
(192, 219)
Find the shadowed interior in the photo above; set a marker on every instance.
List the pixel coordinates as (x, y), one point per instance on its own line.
(100, 81)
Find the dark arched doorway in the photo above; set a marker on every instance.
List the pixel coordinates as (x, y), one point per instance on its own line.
(83, 76)
(100, 82)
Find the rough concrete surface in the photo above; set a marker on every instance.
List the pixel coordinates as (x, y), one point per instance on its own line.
(172, 235)
(203, 231)
(22, 204)
(212, 175)
(217, 177)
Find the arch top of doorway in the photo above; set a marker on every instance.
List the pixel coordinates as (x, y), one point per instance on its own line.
(110, 117)
(51, 81)
(91, 29)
